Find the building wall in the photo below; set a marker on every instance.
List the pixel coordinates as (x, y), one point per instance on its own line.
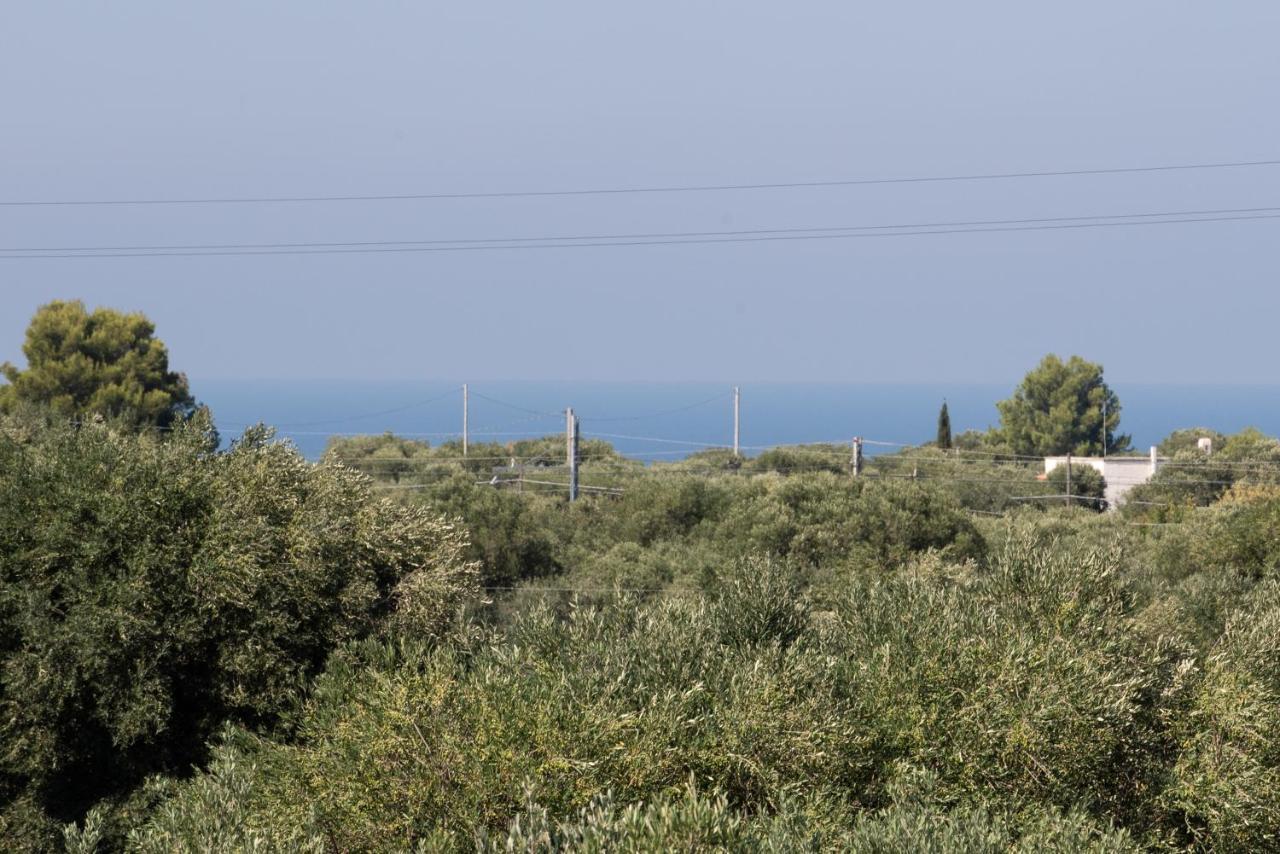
(1121, 473)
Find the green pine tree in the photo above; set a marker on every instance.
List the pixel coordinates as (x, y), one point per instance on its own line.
(944, 427)
(1062, 407)
(82, 363)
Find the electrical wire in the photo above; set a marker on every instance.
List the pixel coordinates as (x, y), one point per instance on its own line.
(609, 191)
(399, 434)
(656, 439)
(659, 414)
(534, 412)
(686, 238)
(349, 418)
(574, 238)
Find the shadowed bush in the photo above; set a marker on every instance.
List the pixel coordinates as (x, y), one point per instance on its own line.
(152, 587)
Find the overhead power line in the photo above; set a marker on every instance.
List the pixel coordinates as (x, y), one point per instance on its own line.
(534, 412)
(398, 433)
(574, 238)
(595, 434)
(660, 413)
(645, 239)
(635, 236)
(612, 191)
(349, 418)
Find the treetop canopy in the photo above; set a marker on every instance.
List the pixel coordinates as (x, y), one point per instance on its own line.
(104, 362)
(1062, 408)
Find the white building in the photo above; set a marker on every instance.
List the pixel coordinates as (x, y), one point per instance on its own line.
(1121, 473)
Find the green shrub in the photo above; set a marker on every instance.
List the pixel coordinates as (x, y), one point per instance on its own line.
(692, 821)
(1227, 779)
(214, 814)
(1021, 684)
(399, 744)
(383, 457)
(1023, 687)
(978, 481)
(802, 458)
(1087, 486)
(507, 532)
(667, 507)
(825, 520)
(151, 587)
(758, 603)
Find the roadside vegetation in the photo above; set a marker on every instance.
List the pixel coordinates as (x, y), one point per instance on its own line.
(211, 646)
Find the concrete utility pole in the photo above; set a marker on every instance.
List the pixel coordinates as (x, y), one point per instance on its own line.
(465, 402)
(737, 403)
(855, 460)
(571, 450)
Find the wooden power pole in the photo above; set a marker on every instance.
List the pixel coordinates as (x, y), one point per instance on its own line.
(855, 459)
(465, 402)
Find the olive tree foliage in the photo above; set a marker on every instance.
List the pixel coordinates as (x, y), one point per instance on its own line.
(822, 520)
(1058, 409)
(1192, 477)
(104, 363)
(691, 820)
(987, 482)
(799, 459)
(932, 709)
(383, 457)
(1087, 486)
(1188, 439)
(1227, 778)
(152, 587)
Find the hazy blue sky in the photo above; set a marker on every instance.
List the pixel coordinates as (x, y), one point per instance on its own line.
(162, 99)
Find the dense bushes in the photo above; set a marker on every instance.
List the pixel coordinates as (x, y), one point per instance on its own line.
(508, 532)
(1227, 779)
(692, 821)
(152, 587)
(754, 660)
(981, 478)
(685, 820)
(956, 704)
(1086, 486)
(668, 527)
(1194, 478)
(1019, 685)
(823, 519)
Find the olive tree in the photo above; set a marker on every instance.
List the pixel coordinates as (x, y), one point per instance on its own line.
(152, 588)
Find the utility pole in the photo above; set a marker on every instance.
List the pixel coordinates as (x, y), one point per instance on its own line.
(1068, 478)
(855, 460)
(465, 402)
(1104, 428)
(571, 442)
(737, 406)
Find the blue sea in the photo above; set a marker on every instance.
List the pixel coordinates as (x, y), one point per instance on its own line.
(666, 420)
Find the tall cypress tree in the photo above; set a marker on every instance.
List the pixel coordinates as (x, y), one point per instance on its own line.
(944, 427)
